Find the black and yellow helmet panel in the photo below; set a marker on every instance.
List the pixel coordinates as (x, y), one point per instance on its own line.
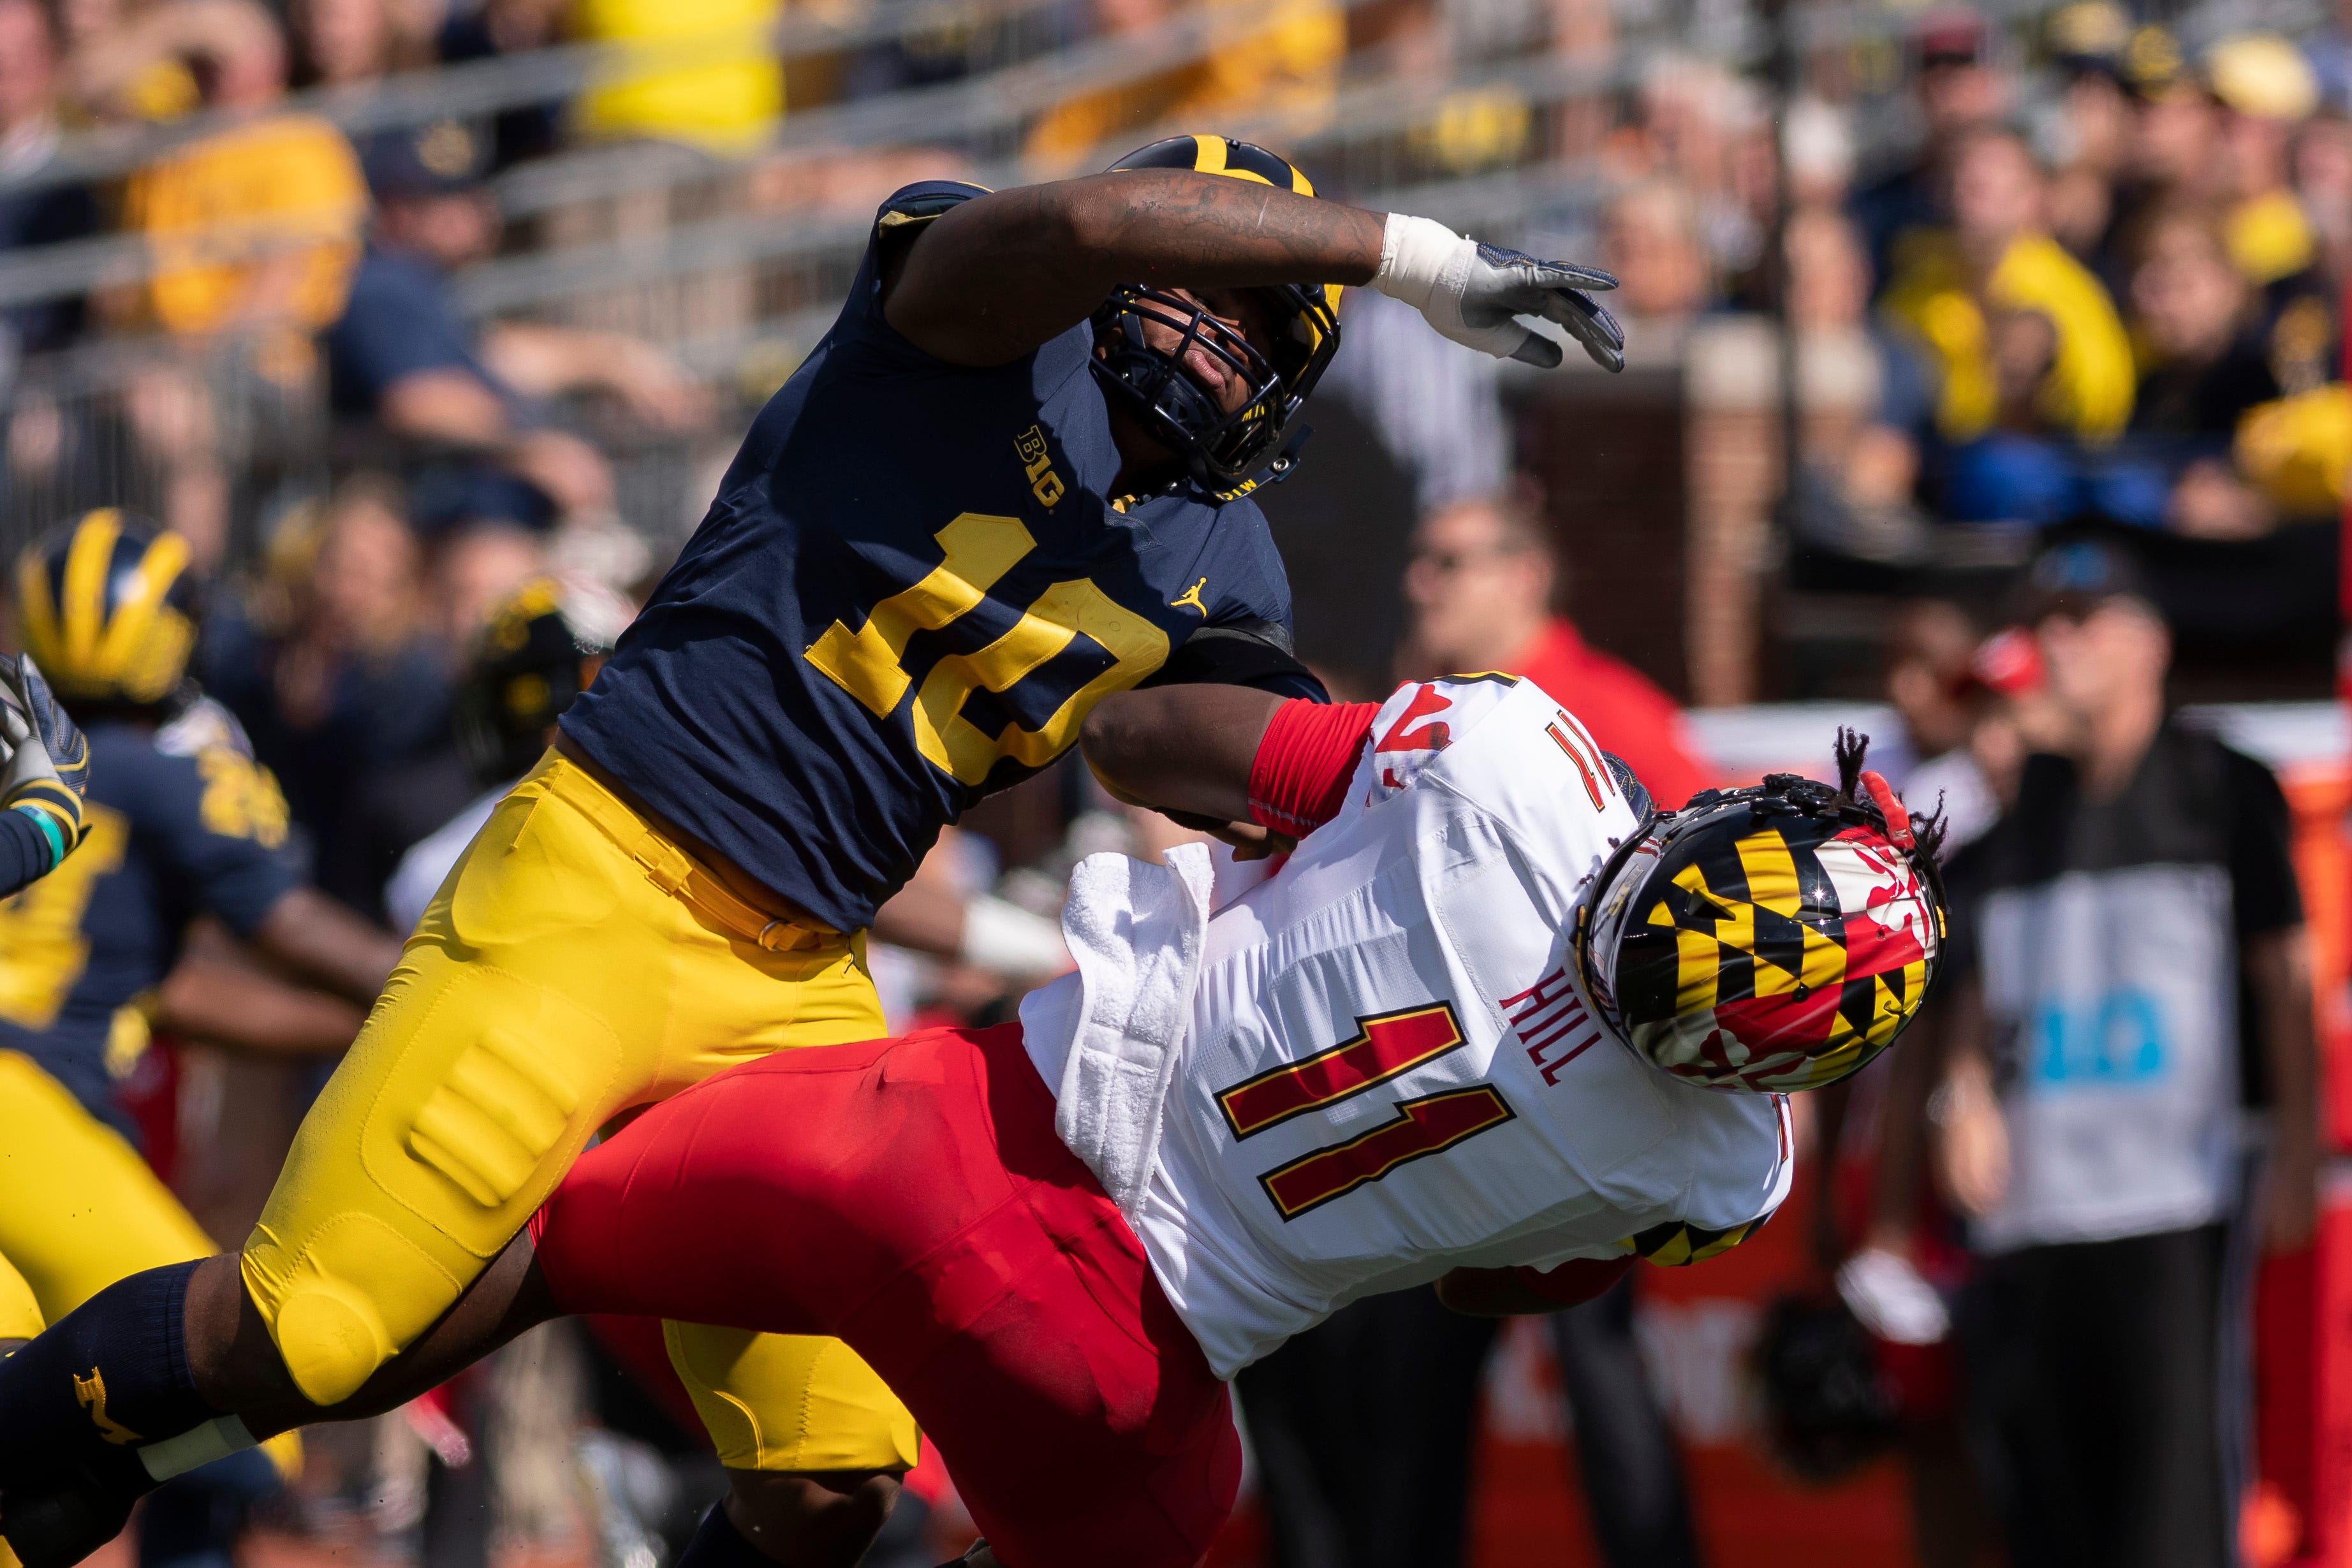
(541, 648)
(1235, 160)
(106, 607)
(1218, 155)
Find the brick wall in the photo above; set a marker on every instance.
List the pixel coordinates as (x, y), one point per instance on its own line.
(1610, 455)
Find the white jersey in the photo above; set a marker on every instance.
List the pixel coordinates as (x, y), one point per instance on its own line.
(1376, 1065)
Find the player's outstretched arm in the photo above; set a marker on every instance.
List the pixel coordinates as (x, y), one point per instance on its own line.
(1258, 770)
(995, 277)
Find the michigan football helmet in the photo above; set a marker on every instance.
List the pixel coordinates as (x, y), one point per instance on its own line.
(541, 649)
(1771, 938)
(107, 607)
(1221, 450)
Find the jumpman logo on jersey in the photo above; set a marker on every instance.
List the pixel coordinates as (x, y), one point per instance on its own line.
(1191, 596)
(91, 1391)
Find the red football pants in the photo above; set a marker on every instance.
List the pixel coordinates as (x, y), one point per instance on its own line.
(910, 1198)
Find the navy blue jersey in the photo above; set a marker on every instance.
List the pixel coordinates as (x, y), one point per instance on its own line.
(912, 587)
(171, 837)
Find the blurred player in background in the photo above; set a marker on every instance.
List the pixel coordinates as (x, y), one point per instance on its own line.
(1011, 479)
(180, 823)
(44, 817)
(540, 650)
(1495, 1023)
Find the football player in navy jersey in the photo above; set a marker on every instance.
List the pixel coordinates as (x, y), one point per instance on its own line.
(1011, 479)
(175, 821)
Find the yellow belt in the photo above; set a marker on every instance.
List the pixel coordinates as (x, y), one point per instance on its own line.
(665, 865)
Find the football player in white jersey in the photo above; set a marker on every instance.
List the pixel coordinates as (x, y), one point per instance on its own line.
(1463, 1009)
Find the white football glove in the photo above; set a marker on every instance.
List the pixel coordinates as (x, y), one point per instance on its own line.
(1472, 292)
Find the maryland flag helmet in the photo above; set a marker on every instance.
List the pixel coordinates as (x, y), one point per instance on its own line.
(1222, 450)
(1768, 939)
(107, 608)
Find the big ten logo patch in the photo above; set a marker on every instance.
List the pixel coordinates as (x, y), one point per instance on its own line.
(2114, 1038)
(1038, 465)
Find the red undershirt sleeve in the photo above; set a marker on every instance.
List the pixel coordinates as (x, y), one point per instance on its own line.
(1300, 774)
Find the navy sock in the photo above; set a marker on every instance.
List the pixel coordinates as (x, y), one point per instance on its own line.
(719, 1545)
(109, 1378)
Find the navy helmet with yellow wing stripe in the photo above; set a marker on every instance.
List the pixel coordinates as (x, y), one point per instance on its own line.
(1771, 938)
(107, 607)
(541, 649)
(1221, 449)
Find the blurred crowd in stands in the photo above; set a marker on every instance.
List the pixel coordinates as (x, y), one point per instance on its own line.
(2115, 295)
(2078, 264)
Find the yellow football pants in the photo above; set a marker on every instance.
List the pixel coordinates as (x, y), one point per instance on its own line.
(576, 962)
(79, 1210)
(20, 1316)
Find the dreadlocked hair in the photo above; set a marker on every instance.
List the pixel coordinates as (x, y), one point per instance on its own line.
(1927, 829)
(1852, 747)
(1928, 833)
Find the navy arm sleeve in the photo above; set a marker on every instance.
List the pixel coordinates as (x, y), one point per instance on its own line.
(862, 326)
(1247, 654)
(217, 822)
(24, 853)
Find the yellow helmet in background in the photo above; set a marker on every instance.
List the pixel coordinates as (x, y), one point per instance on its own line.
(106, 606)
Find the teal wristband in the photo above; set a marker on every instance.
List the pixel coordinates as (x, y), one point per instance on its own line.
(49, 833)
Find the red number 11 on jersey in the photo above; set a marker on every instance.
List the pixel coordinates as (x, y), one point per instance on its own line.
(1384, 1046)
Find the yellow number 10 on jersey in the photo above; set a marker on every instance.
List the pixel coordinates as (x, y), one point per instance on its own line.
(981, 549)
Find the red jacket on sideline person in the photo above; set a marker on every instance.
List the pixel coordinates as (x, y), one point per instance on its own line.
(1625, 711)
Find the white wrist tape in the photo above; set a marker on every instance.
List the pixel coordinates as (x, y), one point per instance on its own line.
(1416, 254)
(216, 1440)
(1009, 940)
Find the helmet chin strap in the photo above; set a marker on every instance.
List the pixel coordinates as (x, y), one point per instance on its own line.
(1285, 461)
